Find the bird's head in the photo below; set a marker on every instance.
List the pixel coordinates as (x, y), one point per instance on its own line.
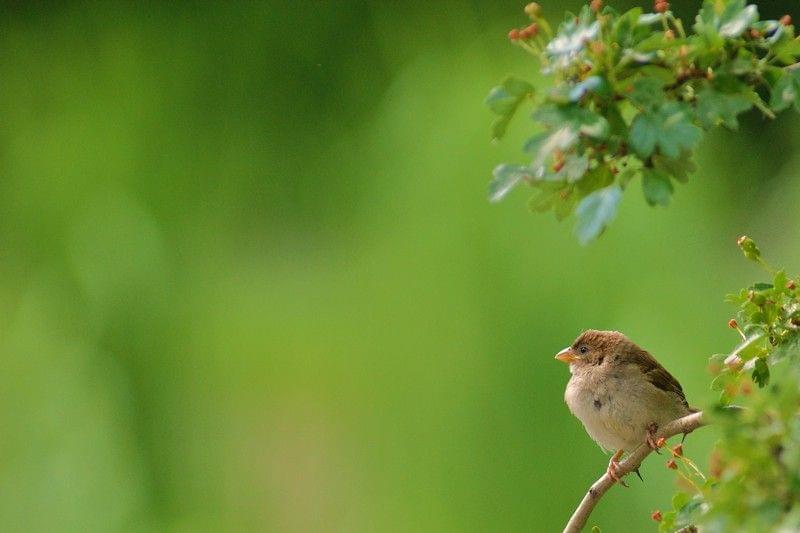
(592, 347)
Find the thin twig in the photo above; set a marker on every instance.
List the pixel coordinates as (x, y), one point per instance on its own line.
(687, 424)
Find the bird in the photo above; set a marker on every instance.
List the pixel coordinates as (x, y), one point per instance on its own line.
(620, 393)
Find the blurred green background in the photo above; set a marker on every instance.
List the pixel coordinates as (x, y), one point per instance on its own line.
(249, 278)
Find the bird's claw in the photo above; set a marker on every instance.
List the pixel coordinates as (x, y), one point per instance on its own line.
(651, 440)
(613, 465)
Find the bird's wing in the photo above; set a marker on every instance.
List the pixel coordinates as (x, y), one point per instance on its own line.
(658, 375)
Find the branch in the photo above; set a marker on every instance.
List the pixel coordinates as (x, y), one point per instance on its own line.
(687, 424)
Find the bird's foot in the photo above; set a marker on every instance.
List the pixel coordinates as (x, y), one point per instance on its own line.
(651, 440)
(613, 467)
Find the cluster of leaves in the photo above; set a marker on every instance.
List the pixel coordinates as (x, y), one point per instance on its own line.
(631, 96)
(753, 483)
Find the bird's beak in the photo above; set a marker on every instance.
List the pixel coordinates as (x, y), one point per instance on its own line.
(566, 355)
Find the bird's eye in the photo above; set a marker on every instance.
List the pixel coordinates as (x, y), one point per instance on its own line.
(583, 349)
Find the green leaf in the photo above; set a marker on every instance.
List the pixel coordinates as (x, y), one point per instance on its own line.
(670, 129)
(679, 500)
(715, 108)
(679, 168)
(504, 100)
(596, 211)
(644, 134)
(761, 373)
(647, 92)
(656, 186)
(785, 90)
(597, 178)
(676, 132)
(580, 119)
(506, 177)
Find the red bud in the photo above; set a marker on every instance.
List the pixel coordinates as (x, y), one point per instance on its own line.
(672, 465)
(656, 515)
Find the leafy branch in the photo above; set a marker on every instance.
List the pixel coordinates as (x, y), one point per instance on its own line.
(631, 96)
(753, 482)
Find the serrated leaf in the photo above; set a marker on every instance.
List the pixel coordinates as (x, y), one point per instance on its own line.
(504, 100)
(595, 212)
(656, 186)
(761, 373)
(679, 168)
(676, 132)
(644, 134)
(785, 91)
(506, 177)
(647, 92)
(715, 108)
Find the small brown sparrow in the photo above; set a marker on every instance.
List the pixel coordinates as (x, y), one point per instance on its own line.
(619, 392)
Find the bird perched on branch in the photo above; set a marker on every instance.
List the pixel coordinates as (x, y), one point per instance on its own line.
(620, 393)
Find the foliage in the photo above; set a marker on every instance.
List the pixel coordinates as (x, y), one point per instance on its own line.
(631, 95)
(753, 483)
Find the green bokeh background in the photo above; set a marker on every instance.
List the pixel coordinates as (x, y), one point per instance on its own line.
(249, 278)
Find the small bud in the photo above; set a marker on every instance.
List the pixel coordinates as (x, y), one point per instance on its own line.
(597, 47)
(786, 20)
(614, 170)
(596, 5)
(656, 515)
(677, 450)
(660, 441)
(558, 165)
(669, 35)
(746, 388)
(749, 248)
(672, 465)
(755, 34)
(733, 324)
(661, 6)
(513, 35)
(751, 294)
(790, 285)
(533, 10)
(709, 74)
